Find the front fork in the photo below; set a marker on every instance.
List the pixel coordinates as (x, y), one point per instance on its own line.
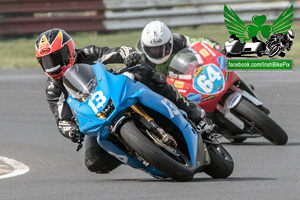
(233, 100)
(165, 137)
(198, 150)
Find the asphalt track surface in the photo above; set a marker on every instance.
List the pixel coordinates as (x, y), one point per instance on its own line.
(29, 135)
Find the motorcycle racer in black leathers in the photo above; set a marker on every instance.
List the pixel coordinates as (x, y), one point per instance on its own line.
(56, 52)
(158, 47)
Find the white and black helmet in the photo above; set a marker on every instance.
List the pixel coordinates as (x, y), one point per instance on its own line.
(157, 42)
(291, 34)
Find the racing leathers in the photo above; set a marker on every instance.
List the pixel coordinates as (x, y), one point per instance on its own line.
(154, 76)
(96, 159)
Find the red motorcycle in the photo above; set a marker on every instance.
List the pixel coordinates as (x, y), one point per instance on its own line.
(199, 74)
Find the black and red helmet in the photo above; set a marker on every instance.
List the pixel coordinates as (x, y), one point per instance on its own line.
(55, 51)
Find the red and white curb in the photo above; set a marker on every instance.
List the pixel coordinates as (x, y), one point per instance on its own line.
(10, 168)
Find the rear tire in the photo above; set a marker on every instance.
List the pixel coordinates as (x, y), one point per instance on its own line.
(271, 130)
(221, 163)
(237, 140)
(178, 168)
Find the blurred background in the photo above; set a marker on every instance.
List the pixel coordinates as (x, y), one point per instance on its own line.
(120, 22)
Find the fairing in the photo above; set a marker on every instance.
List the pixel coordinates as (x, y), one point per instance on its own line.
(199, 74)
(123, 93)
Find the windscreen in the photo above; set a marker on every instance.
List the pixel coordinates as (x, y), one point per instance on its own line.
(185, 62)
(80, 81)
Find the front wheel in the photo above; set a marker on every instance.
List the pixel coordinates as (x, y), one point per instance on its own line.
(221, 163)
(172, 163)
(260, 122)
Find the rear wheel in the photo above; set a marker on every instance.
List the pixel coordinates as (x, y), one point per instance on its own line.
(169, 161)
(261, 123)
(221, 163)
(237, 140)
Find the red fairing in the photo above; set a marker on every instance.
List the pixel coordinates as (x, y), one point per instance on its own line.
(206, 84)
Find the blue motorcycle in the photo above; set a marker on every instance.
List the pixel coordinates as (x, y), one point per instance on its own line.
(141, 128)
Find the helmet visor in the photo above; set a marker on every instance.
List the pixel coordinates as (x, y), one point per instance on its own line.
(54, 61)
(158, 51)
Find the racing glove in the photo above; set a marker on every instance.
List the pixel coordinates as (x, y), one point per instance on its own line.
(74, 134)
(70, 130)
(132, 59)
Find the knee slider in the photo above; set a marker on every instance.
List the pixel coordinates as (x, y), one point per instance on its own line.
(99, 161)
(92, 159)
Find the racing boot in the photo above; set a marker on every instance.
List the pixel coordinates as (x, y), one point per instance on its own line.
(159, 84)
(193, 110)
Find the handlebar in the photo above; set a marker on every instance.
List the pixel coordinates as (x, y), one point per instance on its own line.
(127, 69)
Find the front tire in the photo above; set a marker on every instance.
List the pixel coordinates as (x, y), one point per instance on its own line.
(178, 168)
(269, 128)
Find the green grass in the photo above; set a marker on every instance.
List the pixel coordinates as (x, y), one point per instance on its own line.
(19, 52)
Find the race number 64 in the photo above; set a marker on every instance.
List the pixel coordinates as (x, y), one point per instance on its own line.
(206, 83)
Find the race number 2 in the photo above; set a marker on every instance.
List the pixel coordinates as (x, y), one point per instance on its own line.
(100, 100)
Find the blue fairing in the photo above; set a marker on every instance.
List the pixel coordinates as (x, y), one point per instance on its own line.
(124, 92)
